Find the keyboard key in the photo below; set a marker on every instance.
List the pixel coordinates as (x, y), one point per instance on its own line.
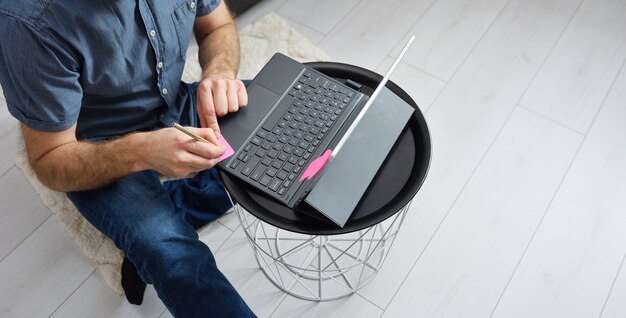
(242, 155)
(246, 158)
(274, 185)
(272, 171)
(234, 164)
(272, 138)
(277, 164)
(297, 169)
(248, 147)
(266, 161)
(298, 152)
(261, 152)
(304, 144)
(288, 167)
(278, 146)
(297, 103)
(283, 156)
(296, 140)
(282, 191)
(272, 153)
(293, 159)
(262, 133)
(288, 149)
(247, 170)
(258, 172)
(283, 139)
(288, 132)
(286, 184)
(282, 175)
(292, 176)
(265, 180)
(266, 145)
(309, 138)
(283, 124)
(256, 140)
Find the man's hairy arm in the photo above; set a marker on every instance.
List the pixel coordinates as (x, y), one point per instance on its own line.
(65, 164)
(219, 92)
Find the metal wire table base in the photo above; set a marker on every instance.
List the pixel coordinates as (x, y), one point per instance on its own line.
(318, 267)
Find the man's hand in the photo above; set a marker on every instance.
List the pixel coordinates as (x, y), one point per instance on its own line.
(172, 153)
(217, 96)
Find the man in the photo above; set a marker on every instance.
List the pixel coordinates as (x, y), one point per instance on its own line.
(96, 87)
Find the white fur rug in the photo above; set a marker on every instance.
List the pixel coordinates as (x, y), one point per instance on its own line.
(259, 42)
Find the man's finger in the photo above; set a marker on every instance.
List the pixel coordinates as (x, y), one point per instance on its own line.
(233, 101)
(210, 118)
(209, 134)
(220, 100)
(242, 94)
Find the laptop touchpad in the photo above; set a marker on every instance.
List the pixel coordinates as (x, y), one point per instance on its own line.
(238, 126)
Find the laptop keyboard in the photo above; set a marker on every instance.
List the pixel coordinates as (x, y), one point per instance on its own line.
(284, 145)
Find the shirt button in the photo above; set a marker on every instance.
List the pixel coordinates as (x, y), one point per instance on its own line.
(152, 33)
(192, 5)
(164, 91)
(160, 65)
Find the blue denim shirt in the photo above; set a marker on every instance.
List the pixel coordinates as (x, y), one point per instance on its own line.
(111, 66)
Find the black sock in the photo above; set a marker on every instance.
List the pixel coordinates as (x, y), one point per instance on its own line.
(132, 284)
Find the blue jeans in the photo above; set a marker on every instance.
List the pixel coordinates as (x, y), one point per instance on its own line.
(155, 226)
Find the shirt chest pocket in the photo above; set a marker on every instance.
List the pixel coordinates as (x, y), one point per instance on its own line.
(183, 18)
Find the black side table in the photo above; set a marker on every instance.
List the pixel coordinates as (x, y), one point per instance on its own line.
(316, 260)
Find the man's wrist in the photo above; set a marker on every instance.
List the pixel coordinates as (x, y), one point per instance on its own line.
(132, 147)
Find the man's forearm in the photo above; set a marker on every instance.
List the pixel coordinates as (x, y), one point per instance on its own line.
(82, 165)
(219, 52)
(79, 165)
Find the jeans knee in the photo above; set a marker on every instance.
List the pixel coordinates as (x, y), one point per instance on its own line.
(167, 250)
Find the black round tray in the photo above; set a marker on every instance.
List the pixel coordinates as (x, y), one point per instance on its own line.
(396, 183)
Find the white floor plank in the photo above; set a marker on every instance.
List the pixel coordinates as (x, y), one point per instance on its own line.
(215, 235)
(353, 306)
(95, 299)
(465, 119)
(448, 32)
(422, 87)
(21, 211)
(236, 260)
(468, 263)
(41, 273)
(369, 33)
(229, 220)
(259, 10)
(581, 69)
(321, 15)
(615, 307)
(314, 36)
(576, 253)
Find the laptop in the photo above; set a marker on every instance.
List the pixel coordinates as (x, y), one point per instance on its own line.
(294, 115)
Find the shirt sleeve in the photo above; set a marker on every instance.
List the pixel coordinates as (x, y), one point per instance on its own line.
(206, 6)
(40, 79)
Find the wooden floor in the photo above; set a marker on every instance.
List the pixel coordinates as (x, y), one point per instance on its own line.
(523, 213)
